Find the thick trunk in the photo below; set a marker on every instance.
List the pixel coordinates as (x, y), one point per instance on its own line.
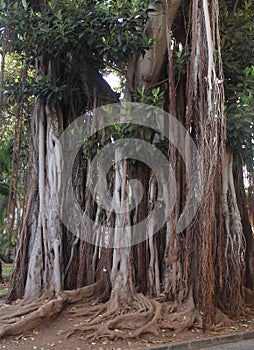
(44, 269)
(47, 263)
(233, 241)
(148, 70)
(121, 273)
(143, 174)
(246, 225)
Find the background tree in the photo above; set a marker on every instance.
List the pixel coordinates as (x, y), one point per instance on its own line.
(13, 153)
(238, 66)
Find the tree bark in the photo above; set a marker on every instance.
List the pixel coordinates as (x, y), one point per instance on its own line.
(247, 231)
(41, 267)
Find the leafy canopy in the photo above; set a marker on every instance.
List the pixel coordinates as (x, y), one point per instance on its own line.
(106, 32)
(237, 33)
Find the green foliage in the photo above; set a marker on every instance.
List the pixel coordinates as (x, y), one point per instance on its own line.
(7, 238)
(154, 96)
(237, 41)
(5, 165)
(3, 292)
(108, 31)
(105, 33)
(238, 61)
(150, 97)
(240, 112)
(181, 56)
(7, 270)
(32, 88)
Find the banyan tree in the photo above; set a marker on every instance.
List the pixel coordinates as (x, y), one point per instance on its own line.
(169, 55)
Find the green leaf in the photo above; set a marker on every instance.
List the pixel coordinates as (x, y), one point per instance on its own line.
(24, 4)
(155, 91)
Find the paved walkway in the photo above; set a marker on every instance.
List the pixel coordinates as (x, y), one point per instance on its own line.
(231, 341)
(243, 345)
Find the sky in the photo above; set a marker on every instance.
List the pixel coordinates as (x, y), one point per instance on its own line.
(113, 80)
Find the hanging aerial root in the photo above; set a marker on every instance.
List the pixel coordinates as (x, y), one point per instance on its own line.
(17, 319)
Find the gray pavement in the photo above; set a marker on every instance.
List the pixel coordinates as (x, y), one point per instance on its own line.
(236, 341)
(243, 345)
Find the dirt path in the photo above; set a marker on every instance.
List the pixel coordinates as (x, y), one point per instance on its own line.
(53, 336)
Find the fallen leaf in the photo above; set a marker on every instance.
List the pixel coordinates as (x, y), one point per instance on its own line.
(19, 337)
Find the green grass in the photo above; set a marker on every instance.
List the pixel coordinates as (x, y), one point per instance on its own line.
(3, 292)
(7, 270)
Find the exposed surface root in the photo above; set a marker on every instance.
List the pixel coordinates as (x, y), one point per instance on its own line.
(109, 320)
(143, 315)
(248, 296)
(18, 319)
(222, 321)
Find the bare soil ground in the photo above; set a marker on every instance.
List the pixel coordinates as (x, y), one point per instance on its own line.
(54, 334)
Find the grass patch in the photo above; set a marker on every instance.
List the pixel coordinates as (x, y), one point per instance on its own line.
(3, 292)
(7, 270)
